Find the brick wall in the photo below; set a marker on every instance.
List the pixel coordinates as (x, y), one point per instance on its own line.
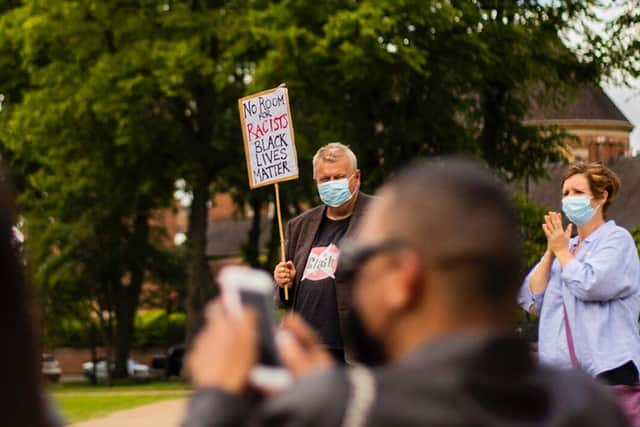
(599, 143)
(71, 359)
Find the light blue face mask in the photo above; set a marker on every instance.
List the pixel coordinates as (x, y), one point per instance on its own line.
(335, 193)
(578, 209)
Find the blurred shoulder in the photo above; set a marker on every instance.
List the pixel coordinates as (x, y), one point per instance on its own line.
(318, 399)
(365, 199)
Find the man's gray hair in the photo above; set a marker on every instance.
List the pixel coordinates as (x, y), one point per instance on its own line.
(332, 152)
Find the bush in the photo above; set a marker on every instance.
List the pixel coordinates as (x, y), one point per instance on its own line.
(531, 216)
(67, 332)
(177, 328)
(155, 328)
(635, 232)
(151, 328)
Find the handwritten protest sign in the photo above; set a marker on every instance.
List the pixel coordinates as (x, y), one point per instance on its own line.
(269, 145)
(269, 141)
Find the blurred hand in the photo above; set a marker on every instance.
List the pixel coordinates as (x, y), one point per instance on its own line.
(284, 274)
(224, 351)
(557, 237)
(300, 348)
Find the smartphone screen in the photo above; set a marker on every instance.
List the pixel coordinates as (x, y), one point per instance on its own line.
(243, 286)
(265, 309)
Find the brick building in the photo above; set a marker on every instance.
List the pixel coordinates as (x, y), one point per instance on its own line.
(228, 228)
(602, 129)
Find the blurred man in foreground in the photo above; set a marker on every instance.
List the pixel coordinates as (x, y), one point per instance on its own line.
(436, 268)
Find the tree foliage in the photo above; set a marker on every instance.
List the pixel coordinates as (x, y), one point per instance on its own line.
(400, 79)
(95, 124)
(619, 47)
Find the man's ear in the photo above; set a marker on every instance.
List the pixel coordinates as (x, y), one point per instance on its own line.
(357, 183)
(407, 278)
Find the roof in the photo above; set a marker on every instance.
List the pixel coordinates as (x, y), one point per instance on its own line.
(590, 102)
(625, 210)
(226, 237)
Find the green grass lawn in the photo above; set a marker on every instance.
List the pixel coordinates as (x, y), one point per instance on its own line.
(118, 385)
(79, 401)
(80, 408)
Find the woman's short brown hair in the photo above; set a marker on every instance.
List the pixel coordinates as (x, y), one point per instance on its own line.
(601, 179)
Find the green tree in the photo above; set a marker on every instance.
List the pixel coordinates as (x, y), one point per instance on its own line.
(400, 79)
(93, 123)
(201, 81)
(618, 45)
(122, 99)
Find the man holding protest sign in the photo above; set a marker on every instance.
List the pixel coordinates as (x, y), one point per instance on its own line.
(317, 290)
(309, 259)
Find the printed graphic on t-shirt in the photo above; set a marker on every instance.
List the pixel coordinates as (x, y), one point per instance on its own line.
(322, 263)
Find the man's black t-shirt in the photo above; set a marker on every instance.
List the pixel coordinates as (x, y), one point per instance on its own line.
(316, 300)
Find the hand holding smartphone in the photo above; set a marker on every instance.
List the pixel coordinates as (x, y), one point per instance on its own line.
(243, 286)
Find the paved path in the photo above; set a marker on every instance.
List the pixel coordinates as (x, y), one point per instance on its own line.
(163, 414)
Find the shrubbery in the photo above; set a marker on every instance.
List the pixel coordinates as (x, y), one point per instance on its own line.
(155, 328)
(531, 217)
(151, 328)
(635, 232)
(68, 333)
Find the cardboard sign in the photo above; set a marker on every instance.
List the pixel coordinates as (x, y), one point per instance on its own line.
(269, 142)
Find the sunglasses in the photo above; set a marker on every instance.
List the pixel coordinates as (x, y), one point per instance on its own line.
(354, 255)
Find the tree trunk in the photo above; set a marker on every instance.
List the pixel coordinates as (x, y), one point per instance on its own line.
(199, 282)
(127, 303)
(253, 244)
(94, 355)
(167, 311)
(108, 346)
(490, 135)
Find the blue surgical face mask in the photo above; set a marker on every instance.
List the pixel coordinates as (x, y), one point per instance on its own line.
(335, 193)
(578, 209)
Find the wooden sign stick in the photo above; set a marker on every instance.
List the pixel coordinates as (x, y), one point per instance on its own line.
(282, 250)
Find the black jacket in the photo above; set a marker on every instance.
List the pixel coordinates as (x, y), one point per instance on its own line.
(299, 235)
